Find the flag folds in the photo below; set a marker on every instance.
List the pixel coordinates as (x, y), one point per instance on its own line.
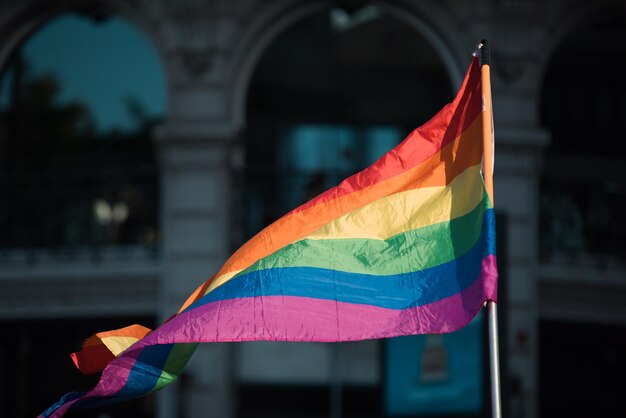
(406, 246)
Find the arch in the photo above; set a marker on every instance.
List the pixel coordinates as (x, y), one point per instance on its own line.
(27, 17)
(577, 21)
(278, 17)
(62, 165)
(581, 107)
(585, 14)
(429, 21)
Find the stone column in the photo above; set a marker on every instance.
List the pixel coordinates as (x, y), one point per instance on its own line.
(195, 204)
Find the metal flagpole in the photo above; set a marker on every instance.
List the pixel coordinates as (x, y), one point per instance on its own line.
(488, 166)
(494, 359)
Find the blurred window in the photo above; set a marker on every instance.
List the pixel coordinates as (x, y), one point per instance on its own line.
(78, 101)
(311, 158)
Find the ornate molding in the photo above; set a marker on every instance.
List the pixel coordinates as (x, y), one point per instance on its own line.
(195, 25)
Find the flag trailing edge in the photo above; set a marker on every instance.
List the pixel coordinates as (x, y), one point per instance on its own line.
(404, 247)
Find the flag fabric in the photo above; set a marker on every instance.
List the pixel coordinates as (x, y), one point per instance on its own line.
(404, 247)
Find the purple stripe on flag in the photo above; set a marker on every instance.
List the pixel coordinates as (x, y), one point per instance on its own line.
(117, 372)
(295, 318)
(291, 318)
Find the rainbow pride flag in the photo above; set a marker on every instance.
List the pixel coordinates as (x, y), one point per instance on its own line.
(406, 246)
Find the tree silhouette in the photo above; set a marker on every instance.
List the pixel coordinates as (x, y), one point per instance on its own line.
(55, 165)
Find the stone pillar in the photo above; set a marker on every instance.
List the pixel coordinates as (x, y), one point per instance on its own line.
(195, 204)
(516, 180)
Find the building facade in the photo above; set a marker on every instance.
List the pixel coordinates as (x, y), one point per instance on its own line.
(233, 69)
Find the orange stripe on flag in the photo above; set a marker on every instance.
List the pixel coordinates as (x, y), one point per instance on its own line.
(99, 349)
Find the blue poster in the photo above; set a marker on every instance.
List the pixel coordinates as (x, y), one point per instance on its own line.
(435, 374)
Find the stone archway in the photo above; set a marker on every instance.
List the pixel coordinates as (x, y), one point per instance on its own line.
(56, 110)
(425, 19)
(582, 109)
(582, 201)
(347, 103)
(332, 67)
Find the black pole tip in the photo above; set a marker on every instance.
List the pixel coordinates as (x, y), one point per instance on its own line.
(485, 53)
